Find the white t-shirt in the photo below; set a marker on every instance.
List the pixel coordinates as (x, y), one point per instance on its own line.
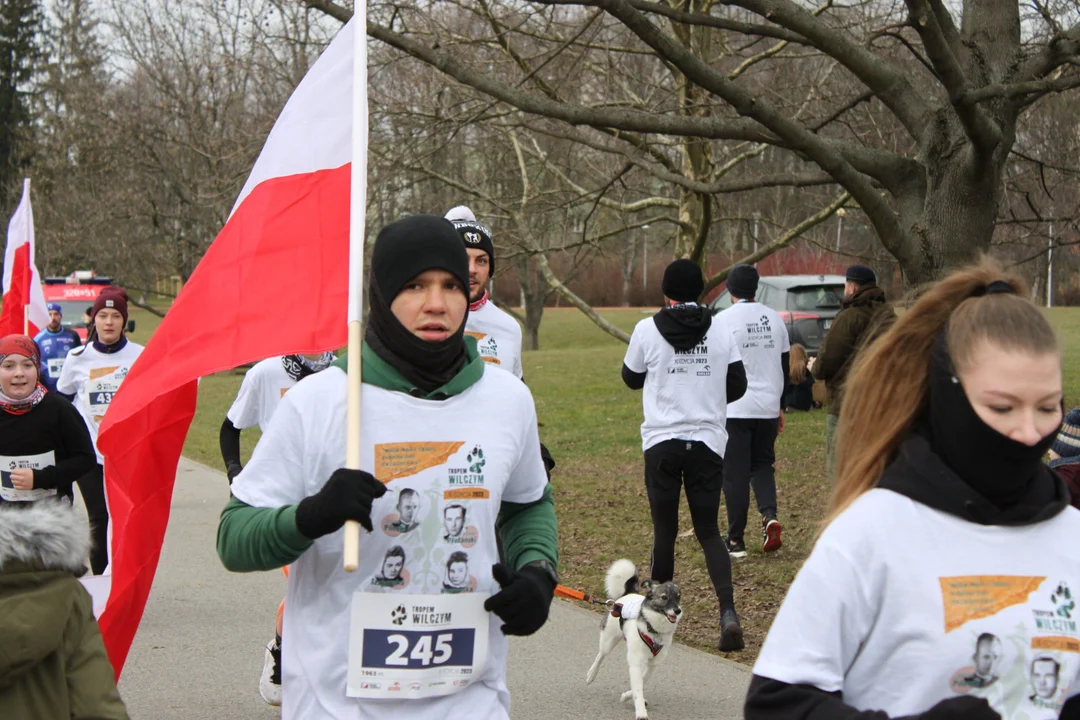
(685, 394)
(498, 337)
(762, 339)
(475, 450)
(260, 394)
(93, 378)
(891, 605)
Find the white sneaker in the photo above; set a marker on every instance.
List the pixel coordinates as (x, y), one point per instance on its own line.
(270, 681)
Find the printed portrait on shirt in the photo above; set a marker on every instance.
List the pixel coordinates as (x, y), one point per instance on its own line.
(457, 578)
(393, 573)
(1045, 673)
(407, 517)
(987, 657)
(456, 527)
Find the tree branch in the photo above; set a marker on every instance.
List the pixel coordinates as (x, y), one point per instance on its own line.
(627, 120)
(330, 8)
(555, 284)
(781, 242)
(797, 137)
(1065, 82)
(888, 83)
(980, 129)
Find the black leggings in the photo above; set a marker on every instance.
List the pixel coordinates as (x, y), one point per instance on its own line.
(92, 489)
(668, 466)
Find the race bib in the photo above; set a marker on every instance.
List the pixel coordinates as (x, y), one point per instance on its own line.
(100, 388)
(416, 646)
(33, 462)
(54, 366)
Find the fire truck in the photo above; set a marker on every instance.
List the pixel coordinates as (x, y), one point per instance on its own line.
(76, 294)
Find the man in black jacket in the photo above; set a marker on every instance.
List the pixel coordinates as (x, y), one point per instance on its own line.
(689, 375)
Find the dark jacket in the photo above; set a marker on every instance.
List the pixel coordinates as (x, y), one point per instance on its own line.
(916, 472)
(52, 660)
(1069, 471)
(864, 316)
(801, 396)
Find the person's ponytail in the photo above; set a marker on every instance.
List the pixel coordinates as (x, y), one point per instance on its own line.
(887, 388)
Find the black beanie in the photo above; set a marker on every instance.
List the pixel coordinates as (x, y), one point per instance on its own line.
(742, 281)
(683, 281)
(403, 250)
(476, 237)
(408, 247)
(860, 275)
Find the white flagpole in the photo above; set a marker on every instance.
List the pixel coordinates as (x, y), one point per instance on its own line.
(357, 211)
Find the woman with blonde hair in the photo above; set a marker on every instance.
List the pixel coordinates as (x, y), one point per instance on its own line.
(944, 527)
(799, 394)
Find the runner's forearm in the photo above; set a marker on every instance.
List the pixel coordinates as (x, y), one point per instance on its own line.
(251, 538)
(529, 531)
(229, 440)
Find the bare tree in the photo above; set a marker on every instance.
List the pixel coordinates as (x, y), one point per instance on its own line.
(920, 125)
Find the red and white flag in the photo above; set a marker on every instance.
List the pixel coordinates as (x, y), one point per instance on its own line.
(24, 308)
(275, 281)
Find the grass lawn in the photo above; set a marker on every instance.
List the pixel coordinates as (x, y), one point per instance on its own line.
(590, 421)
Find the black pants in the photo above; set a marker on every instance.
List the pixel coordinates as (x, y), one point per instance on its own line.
(92, 488)
(668, 466)
(748, 462)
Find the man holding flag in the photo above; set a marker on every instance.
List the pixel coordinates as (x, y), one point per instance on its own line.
(433, 420)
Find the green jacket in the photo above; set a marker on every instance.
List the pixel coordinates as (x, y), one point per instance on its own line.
(52, 660)
(251, 538)
(863, 318)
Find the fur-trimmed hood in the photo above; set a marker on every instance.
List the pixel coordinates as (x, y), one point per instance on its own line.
(44, 535)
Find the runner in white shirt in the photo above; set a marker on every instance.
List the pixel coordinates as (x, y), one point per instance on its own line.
(689, 370)
(91, 376)
(497, 333)
(260, 394)
(944, 583)
(418, 631)
(755, 419)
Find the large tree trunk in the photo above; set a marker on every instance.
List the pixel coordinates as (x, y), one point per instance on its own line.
(533, 293)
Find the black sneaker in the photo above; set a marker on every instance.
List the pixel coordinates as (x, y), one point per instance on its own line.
(731, 638)
(770, 533)
(736, 549)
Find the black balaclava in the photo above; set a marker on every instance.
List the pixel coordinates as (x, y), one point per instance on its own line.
(403, 250)
(997, 467)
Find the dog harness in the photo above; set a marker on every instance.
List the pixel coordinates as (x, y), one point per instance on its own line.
(654, 647)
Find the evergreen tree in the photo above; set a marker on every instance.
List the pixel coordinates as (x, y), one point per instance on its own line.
(20, 25)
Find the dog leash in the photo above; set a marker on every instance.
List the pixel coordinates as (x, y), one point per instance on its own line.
(572, 594)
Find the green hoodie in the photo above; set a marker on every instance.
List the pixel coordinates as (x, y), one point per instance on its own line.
(251, 538)
(52, 659)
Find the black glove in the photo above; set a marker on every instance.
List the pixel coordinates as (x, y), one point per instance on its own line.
(965, 707)
(525, 598)
(347, 495)
(232, 470)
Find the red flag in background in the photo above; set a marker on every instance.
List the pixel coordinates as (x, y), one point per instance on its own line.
(24, 310)
(274, 282)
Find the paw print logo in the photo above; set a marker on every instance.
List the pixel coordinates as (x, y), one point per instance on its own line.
(1063, 599)
(476, 460)
(398, 615)
(765, 321)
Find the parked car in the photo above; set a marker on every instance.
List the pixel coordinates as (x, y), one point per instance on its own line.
(807, 303)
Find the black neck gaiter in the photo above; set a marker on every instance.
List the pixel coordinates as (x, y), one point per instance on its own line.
(997, 467)
(428, 365)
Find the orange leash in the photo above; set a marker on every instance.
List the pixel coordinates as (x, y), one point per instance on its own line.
(572, 594)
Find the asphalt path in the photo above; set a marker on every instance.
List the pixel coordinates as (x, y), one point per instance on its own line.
(199, 650)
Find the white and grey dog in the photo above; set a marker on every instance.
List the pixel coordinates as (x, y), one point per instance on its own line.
(646, 615)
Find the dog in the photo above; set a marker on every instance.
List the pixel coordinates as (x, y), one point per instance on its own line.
(646, 615)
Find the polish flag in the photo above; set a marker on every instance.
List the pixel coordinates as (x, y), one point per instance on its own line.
(24, 310)
(275, 281)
